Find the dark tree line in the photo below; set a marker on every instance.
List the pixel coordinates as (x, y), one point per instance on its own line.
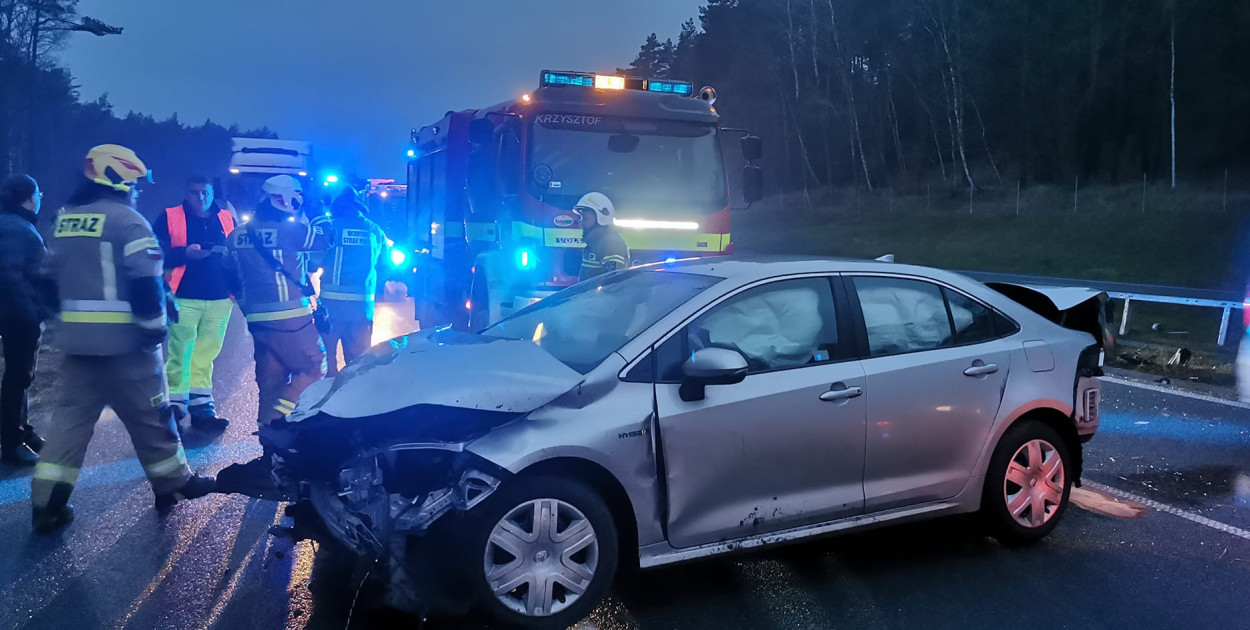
(46, 130)
(979, 93)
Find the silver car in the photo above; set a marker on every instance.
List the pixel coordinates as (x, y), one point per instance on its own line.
(685, 410)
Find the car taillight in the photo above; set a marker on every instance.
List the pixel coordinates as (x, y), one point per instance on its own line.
(1090, 363)
(1090, 406)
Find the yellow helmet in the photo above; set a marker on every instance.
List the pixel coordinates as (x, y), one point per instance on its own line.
(115, 166)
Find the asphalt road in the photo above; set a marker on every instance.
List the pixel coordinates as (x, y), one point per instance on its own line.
(211, 564)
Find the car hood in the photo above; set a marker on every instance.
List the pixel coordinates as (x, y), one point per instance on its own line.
(443, 368)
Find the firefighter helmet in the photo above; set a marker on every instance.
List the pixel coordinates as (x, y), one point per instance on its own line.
(285, 192)
(115, 166)
(598, 204)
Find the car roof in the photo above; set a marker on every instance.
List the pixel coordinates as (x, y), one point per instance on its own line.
(750, 268)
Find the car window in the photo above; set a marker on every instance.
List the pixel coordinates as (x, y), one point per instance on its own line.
(785, 324)
(974, 322)
(584, 324)
(903, 315)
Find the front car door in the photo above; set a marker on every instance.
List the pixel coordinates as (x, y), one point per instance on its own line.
(768, 453)
(936, 365)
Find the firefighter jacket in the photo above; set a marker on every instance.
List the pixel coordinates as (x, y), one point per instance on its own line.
(27, 295)
(605, 251)
(264, 294)
(107, 264)
(354, 246)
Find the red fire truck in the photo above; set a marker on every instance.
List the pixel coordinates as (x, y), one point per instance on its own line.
(490, 191)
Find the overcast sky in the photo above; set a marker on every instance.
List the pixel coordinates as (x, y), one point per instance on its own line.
(352, 80)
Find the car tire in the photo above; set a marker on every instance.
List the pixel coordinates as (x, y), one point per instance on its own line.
(1026, 490)
(579, 511)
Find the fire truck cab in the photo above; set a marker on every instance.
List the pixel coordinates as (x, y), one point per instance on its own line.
(491, 191)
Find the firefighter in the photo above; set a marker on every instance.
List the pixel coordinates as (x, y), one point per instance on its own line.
(605, 249)
(193, 237)
(268, 261)
(350, 278)
(107, 264)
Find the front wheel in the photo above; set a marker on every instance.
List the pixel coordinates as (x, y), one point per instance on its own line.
(547, 551)
(1027, 484)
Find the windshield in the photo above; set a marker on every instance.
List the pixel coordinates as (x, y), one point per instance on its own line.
(644, 166)
(584, 324)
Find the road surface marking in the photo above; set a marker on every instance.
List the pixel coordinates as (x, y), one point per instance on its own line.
(1175, 392)
(1163, 507)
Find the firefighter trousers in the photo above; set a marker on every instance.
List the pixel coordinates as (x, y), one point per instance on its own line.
(352, 327)
(289, 358)
(133, 385)
(195, 340)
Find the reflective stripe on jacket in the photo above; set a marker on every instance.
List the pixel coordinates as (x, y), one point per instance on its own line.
(266, 294)
(102, 254)
(354, 246)
(605, 251)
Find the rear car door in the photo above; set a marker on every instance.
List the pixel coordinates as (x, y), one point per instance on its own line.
(936, 364)
(768, 453)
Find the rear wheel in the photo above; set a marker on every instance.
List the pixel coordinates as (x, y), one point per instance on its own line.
(546, 551)
(1027, 484)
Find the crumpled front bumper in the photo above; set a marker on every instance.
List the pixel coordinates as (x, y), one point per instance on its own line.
(370, 523)
(358, 509)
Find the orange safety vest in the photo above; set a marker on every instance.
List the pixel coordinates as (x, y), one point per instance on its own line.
(177, 218)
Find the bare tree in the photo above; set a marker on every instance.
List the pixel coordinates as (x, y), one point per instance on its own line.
(943, 35)
(844, 66)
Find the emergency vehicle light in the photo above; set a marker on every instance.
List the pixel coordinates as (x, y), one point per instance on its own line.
(647, 224)
(613, 82)
(609, 82)
(669, 87)
(525, 259)
(577, 79)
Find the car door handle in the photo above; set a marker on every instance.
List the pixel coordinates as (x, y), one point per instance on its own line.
(981, 370)
(835, 395)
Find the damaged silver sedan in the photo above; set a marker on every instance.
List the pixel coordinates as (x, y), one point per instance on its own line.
(680, 411)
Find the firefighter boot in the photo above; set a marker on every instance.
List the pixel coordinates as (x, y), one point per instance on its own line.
(196, 487)
(56, 514)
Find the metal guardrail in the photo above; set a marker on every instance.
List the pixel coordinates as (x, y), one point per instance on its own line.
(1228, 301)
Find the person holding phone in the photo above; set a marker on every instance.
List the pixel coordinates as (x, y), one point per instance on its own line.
(193, 237)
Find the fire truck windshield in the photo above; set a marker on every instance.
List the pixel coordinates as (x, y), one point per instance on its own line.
(645, 166)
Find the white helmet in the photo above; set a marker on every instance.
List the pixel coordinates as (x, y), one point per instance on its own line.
(285, 192)
(599, 204)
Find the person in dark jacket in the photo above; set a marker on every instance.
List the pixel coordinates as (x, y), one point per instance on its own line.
(27, 298)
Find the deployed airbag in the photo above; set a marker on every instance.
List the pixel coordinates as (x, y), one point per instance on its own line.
(775, 329)
(908, 316)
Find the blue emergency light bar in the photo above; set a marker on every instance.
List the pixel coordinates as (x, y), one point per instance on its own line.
(575, 79)
(669, 87)
(614, 82)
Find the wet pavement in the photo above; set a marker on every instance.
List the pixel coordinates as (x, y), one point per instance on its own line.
(212, 564)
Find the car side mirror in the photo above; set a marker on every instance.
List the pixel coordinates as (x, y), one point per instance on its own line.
(752, 184)
(752, 148)
(711, 366)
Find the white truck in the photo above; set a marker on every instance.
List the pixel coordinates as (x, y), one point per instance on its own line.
(256, 159)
